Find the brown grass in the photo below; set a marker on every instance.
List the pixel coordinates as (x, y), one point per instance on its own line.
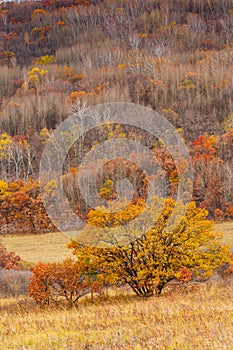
(197, 318)
(190, 321)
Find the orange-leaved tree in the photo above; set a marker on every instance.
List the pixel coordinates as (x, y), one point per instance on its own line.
(68, 281)
(154, 257)
(21, 208)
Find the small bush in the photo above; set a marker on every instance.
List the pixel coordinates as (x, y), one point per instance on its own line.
(8, 260)
(64, 281)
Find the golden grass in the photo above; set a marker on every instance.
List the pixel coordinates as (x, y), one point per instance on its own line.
(52, 246)
(172, 322)
(47, 247)
(227, 229)
(195, 320)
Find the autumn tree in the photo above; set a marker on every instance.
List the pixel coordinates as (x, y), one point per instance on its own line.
(163, 253)
(209, 173)
(16, 157)
(68, 281)
(21, 208)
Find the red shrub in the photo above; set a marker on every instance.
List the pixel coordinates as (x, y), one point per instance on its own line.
(8, 260)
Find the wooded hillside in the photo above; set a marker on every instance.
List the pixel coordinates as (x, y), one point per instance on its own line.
(173, 56)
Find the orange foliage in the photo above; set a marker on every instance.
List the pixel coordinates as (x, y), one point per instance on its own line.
(8, 260)
(68, 280)
(77, 95)
(21, 209)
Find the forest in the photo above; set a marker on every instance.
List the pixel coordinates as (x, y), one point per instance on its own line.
(59, 59)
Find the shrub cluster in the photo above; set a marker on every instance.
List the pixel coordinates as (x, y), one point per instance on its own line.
(67, 281)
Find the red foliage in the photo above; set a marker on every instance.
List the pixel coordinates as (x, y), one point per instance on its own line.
(67, 280)
(8, 260)
(185, 275)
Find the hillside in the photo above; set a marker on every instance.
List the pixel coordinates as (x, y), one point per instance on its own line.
(116, 121)
(161, 54)
(60, 57)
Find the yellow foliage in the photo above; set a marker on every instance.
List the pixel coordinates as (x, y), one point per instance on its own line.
(3, 187)
(24, 85)
(5, 141)
(39, 12)
(115, 216)
(228, 123)
(47, 59)
(121, 66)
(101, 88)
(187, 246)
(36, 76)
(67, 71)
(51, 188)
(209, 141)
(77, 94)
(44, 134)
(143, 35)
(106, 189)
(187, 84)
(36, 29)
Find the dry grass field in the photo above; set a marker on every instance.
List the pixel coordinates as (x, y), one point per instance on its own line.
(179, 320)
(173, 322)
(42, 247)
(52, 246)
(227, 229)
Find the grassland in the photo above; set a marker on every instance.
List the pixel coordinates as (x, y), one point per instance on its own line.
(52, 246)
(172, 322)
(189, 319)
(227, 229)
(42, 247)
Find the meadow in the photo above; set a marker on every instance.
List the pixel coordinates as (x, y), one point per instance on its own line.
(62, 57)
(194, 317)
(48, 247)
(173, 322)
(227, 229)
(52, 247)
